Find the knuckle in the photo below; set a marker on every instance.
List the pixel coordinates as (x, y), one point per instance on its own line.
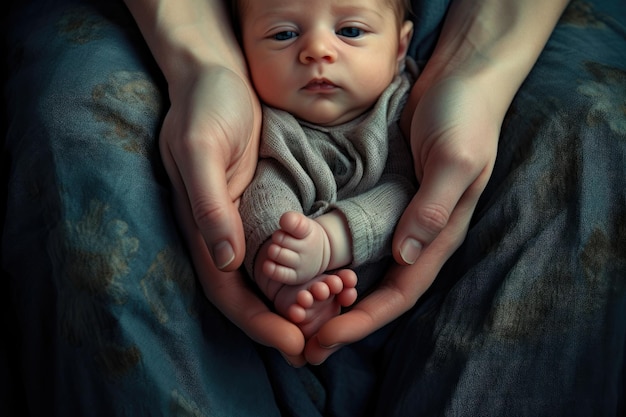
(466, 161)
(458, 155)
(463, 160)
(433, 218)
(208, 214)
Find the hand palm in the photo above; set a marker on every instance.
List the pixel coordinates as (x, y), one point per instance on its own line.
(209, 143)
(209, 147)
(454, 139)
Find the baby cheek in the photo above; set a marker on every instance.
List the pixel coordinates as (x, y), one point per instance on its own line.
(373, 84)
(274, 94)
(266, 85)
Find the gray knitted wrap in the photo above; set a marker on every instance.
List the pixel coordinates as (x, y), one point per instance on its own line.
(362, 168)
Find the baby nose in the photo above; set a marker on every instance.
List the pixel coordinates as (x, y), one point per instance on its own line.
(318, 48)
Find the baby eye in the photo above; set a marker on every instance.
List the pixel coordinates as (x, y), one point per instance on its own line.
(350, 32)
(285, 35)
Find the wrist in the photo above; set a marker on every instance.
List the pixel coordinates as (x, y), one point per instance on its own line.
(188, 37)
(492, 44)
(192, 51)
(336, 227)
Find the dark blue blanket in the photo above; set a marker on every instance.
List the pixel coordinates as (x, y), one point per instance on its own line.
(528, 318)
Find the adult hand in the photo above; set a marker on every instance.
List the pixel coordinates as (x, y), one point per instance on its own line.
(209, 145)
(454, 135)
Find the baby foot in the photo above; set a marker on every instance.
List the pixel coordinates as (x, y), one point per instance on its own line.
(299, 252)
(311, 305)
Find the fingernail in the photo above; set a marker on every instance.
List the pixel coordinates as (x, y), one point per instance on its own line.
(223, 254)
(410, 250)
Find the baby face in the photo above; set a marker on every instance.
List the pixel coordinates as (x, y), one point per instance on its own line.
(325, 61)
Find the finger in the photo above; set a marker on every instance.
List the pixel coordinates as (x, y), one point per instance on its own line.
(402, 288)
(218, 219)
(430, 210)
(231, 295)
(242, 307)
(203, 182)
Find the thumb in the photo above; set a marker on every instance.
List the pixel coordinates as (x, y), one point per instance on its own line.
(420, 224)
(217, 217)
(429, 212)
(202, 187)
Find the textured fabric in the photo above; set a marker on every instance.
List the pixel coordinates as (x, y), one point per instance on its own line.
(528, 318)
(362, 168)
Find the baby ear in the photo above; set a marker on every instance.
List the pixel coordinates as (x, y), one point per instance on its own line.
(406, 31)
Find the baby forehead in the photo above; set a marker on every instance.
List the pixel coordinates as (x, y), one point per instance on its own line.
(286, 7)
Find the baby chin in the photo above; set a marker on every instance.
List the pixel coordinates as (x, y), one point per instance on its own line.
(324, 112)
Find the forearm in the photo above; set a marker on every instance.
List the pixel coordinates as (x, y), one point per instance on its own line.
(184, 35)
(495, 42)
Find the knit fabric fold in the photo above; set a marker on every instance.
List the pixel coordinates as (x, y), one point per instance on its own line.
(362, 168)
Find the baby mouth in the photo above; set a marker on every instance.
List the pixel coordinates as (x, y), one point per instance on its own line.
(320, 84)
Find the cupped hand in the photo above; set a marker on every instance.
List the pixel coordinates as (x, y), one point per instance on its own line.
(454, 134)
(454, 138)
(209, 145)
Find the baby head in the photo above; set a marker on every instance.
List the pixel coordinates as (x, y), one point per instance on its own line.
(324, 61)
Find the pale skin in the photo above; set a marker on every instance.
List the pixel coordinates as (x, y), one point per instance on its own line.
(315, 64)
(210, 160)
(290, 269)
